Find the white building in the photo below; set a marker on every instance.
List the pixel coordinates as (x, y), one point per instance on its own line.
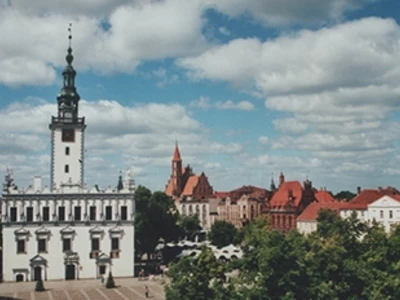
(67, 231)
(191, 207)
(385, 210)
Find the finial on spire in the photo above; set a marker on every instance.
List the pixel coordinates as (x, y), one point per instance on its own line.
(69, 58)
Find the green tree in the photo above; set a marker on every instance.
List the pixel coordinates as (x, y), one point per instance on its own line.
(344, 195)
(198, 278)
(156, 218)
(222, 234)
(39, 286)
(190, 226)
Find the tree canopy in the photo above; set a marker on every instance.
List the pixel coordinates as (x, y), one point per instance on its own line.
(190, 227)
(156, 218)
(343, 259)
(223, 233)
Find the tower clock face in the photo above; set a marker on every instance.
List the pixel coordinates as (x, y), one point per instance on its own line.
(68, 135)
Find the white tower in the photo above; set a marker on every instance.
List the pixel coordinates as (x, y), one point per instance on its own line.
(67, 133)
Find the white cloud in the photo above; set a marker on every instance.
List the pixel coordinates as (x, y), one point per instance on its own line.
(33, 41)
(285, 12)
(205, 103)
(224, 31)
(290, 125)
(241, 105)
(263, 140)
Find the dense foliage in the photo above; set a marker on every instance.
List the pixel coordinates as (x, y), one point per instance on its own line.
(156, 218)
(343, 259)
(223, 233)
(190, 227)
(344, 195)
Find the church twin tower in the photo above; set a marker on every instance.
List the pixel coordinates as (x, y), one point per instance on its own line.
(67, 133)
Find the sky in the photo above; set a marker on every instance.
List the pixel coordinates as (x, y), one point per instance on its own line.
(249, 89)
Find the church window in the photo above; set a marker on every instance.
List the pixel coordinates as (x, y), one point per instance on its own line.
(108, 213)
(66, 150)
(115, 244)
(13, 214)
(290, 220)
(278, 220)
(42, 245)
(61, 213)
(95, 244)
(21, 246)
(77, 213)
(29, 214)
(124, 213)
(66, 169)
(92, 213)
(46, 213)
(67, 245)
(284, 220)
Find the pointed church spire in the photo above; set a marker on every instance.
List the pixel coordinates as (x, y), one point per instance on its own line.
(177, 155)
(273, 186)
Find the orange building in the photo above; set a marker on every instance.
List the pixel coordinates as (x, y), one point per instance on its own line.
(289, 201)
(184, 183)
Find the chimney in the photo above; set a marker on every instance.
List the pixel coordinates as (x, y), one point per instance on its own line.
(358, 190)
(37, 184)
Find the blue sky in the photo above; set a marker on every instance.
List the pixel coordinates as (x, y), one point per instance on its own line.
(248, 88)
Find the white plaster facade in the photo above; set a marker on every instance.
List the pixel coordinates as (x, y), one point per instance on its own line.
(385, 211)
(306, 227)
(194, 207)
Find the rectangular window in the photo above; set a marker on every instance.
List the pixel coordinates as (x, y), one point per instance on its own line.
(390, 214)
(42, 246)
(13, 214)
(29, 214)
(381, 214)
(108, 213)
(92, 213)
(102, 270)
(115, 244)
(61, 213)
(66, 245)
(124, 213)
(77, 213)
(95, 244)
(21, 246)
(46, 213)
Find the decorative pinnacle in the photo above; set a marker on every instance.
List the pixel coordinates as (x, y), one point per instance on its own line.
(69, 58)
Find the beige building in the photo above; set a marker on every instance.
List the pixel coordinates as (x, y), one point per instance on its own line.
(239, 212)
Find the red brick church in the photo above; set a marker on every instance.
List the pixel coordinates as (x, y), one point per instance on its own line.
(184, 183)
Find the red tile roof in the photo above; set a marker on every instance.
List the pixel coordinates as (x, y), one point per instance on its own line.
(221, 195)
(312, 210)
(281, 196)
(177, 155)
(324, 196)
(367, 196)
(190, 185)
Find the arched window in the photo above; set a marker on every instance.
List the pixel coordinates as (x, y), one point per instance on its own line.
(66, 169)
(66, 150)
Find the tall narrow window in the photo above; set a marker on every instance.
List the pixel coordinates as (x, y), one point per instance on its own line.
(381, 214)
(46, 213)
(77, 213)
(67, 245)
(42, 246)
(61, 213)
(21, 246)
(115, 244)
(66, 169)
(29, 214)
(66, 150)
(390, 214)
(13, 214)
(95, 244)
(92, 213)
(108, 213)
(124, 213)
